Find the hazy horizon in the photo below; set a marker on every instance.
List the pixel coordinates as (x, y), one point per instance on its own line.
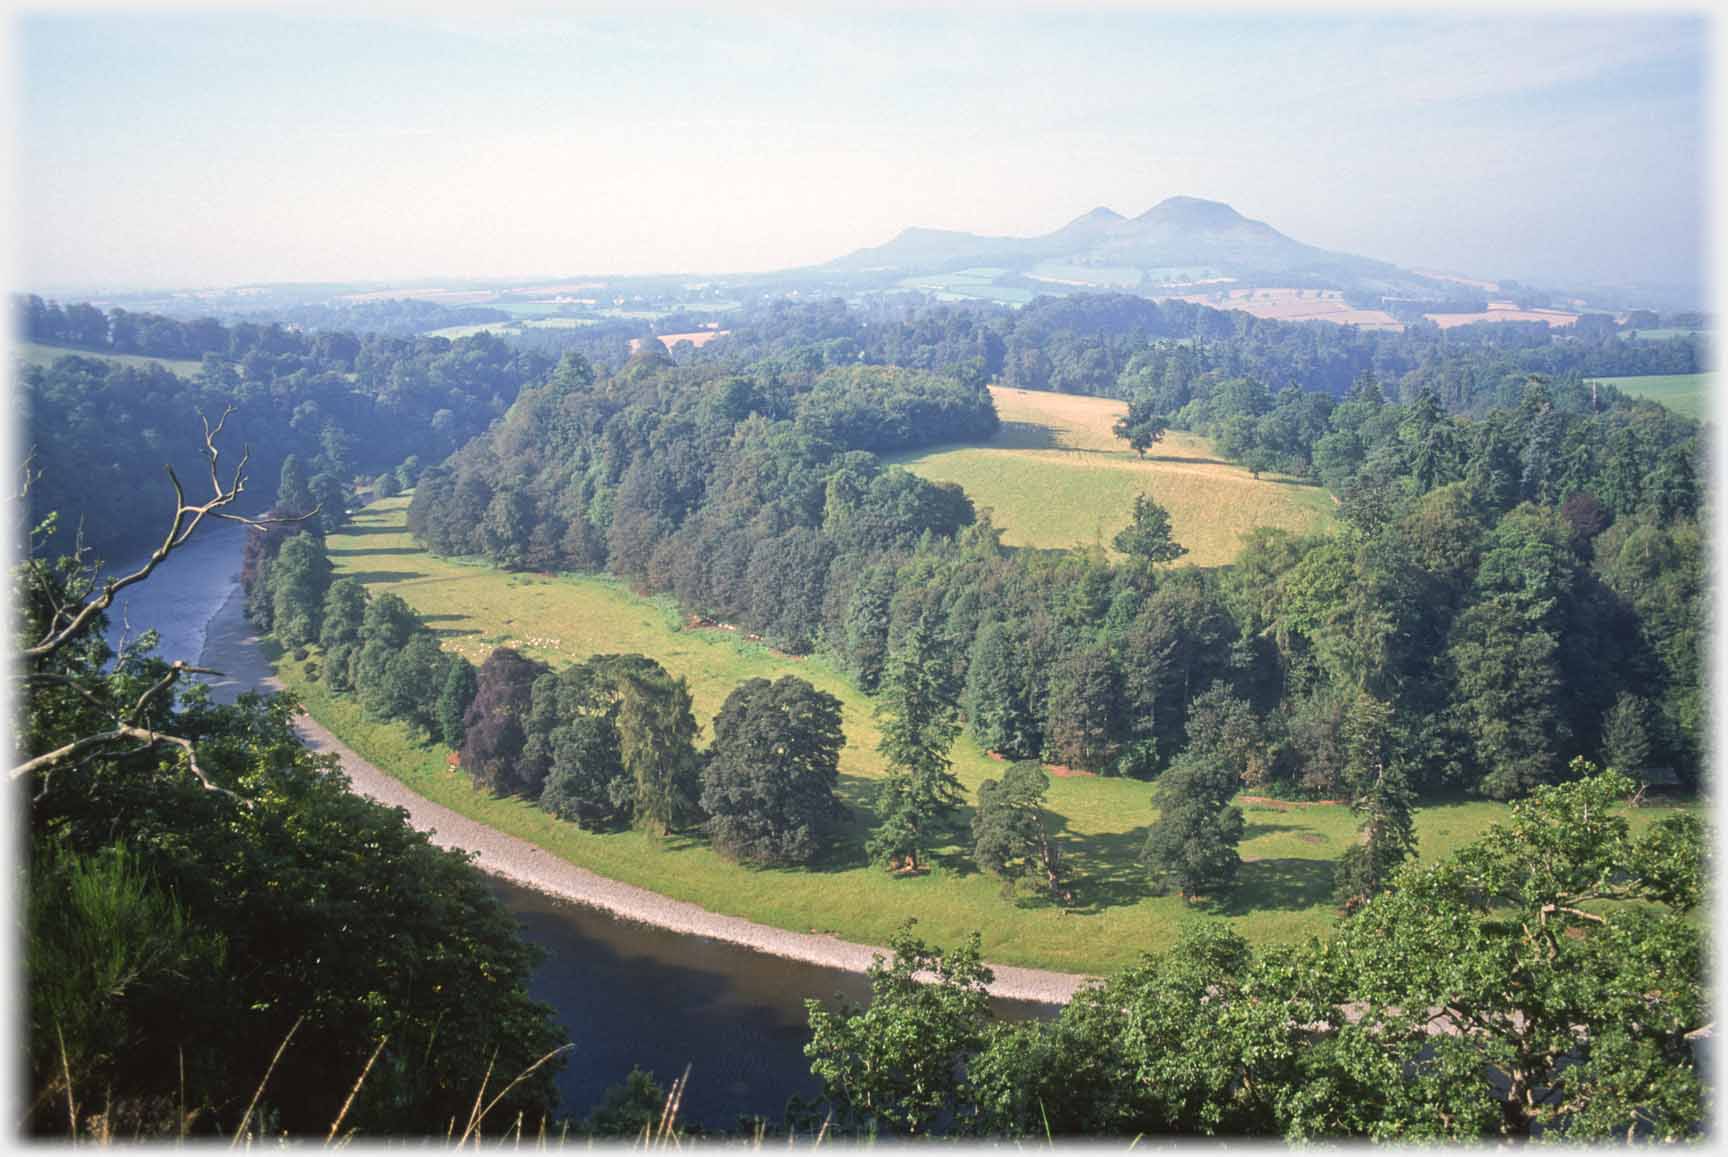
(203, 149)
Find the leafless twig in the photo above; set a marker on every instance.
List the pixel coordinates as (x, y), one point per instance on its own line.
(70, 620)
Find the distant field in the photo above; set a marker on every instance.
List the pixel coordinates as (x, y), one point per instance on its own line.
(974, 284)
(1503, 311)
(1297, 305)
(1687, 394)
(503, 328)
(1284, 895)
(1055, 476)
(453, 332)
(33, 354)
(1112, 276)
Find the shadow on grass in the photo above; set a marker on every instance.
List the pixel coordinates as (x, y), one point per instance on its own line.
(368, 577)
(1103, 871)
(1185, 460)
(1024, 436)
(845, 848)
(453, 632)
(1283, 884)
(370, 550)
(1253, 831)
(358, 528)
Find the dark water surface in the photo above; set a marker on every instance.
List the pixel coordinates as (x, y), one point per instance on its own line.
(625, 993)
(629, 994)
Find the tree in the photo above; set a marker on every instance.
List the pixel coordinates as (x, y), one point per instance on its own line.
(1382, 800)
(410, 686)
(1192, 843)
(461, 684)
(768, 785)
(1626, 735)
(340, 635)
(1562, 953)
(299, 575)
(657, 743)
(1200, 1040)
(1081, 710)
(387, 626)
(1141, 427)
(1009, 835)
(919, 719)
(1147, 535)
(386, 485)
(292, 494)
(572, 741)
(629, 1110)
(997, 700)
(898, 1062)
(493, 727)
(332, 497)
(1506, 690)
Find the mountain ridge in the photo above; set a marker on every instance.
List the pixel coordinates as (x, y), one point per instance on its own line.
(1181, 240)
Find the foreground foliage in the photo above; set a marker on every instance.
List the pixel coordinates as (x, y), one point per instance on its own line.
(1541, 981)
(206, 903)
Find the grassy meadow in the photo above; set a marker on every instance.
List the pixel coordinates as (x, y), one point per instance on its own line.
(1283, 895)
(34, 354)
(1055, 476)
(1687, 394)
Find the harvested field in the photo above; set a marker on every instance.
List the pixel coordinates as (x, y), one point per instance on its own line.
(1056, 476)
(698, 339)
(1503, 311)
(1296, 305)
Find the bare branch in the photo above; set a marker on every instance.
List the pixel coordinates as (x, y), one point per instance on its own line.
(90, 743)
(175, 670)
(70, 620)
(27, 476)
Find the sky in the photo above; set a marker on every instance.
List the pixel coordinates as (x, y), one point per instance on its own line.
(205, 148)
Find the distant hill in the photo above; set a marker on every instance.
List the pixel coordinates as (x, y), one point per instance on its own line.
(1177, 245)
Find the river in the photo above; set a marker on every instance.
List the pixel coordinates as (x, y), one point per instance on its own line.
(625, 993)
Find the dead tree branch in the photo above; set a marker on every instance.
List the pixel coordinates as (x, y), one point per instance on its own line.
(70, 620)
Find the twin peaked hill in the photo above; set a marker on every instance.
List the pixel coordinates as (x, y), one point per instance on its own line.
(1179, 241)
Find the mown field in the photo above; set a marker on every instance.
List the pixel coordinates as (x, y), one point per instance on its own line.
(1055, 476)
(1687, 394)
(33, 354)
(1283, 895)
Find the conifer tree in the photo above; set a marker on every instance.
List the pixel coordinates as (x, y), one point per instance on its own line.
(920, 719)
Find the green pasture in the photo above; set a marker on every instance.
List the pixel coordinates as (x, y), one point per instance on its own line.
(34, 354)
(1284, 894)
(1687, 394)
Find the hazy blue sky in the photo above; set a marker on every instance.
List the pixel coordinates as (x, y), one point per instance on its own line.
(199, 149)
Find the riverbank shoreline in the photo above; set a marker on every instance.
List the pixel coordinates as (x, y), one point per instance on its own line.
(232, 647)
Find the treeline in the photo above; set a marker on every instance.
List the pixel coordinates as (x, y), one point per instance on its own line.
(608, 743)
(754, 496)
(105, 429)
(1116, 345)
(1542, 982)
(1509, 590)
(394, 317)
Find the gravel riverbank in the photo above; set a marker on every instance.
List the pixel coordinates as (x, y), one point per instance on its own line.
(232, 648)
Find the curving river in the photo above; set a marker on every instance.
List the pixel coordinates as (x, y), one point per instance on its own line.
(625, 993)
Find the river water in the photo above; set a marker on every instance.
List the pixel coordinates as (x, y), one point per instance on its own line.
(625, 993)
